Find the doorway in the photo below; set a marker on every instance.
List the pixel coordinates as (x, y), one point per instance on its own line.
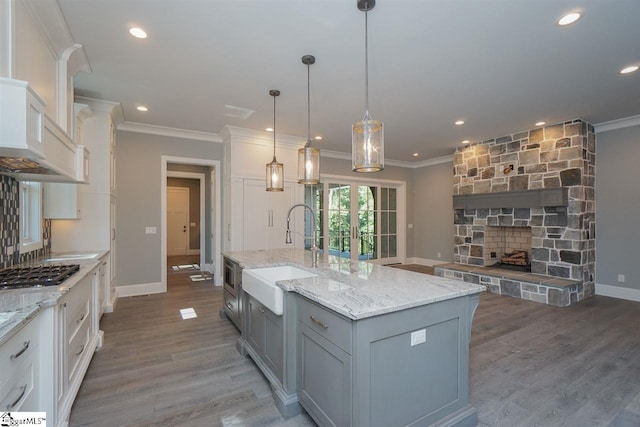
(209, 231)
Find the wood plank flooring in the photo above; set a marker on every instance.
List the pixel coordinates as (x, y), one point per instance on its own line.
(530, 364)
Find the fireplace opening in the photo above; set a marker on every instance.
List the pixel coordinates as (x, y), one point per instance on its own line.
(508, 248)
(517, 260)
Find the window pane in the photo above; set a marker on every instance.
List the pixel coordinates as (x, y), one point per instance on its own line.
(392, 199)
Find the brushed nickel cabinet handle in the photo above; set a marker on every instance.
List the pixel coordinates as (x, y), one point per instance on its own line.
(24, 348)
(229, 306)
(82, 317)
(23, 390)
(81, 350)
(261, 310)
(318, 322)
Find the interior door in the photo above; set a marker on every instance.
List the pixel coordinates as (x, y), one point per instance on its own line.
(177, 220)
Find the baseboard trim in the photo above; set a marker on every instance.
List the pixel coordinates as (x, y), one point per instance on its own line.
(141, 289)
(424, 261)
(618, 292)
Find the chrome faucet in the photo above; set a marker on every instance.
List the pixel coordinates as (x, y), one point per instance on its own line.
(314, 247)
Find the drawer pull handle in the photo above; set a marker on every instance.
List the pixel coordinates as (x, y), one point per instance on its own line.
(23, 390)
(81, 350)
(24, 348)
(318, 322)
(81, 317)
(261, 310)
(229, 306)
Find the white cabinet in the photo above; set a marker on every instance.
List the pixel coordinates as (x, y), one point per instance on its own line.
(253, 217)
(19, 376)
(61, 201)
(78, 337)
(265, 213)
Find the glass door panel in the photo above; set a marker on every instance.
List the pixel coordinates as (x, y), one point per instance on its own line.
(366, 234)
(339, 220)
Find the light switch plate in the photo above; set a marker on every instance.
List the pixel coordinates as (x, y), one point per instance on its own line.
(418, 337)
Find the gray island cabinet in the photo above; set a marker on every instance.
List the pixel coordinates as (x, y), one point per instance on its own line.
(363, 345)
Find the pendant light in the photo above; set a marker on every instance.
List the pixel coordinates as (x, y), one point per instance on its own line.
(367, 137)
(275, 170)
(308, 156)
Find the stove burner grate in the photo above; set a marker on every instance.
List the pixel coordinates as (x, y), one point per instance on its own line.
(36, 277)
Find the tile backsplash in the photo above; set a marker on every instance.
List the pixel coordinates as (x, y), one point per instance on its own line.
(10, 226)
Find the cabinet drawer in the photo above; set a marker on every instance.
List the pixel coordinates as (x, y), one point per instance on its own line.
(17, 349)
(18, 392)
(78, 306)
(328, 324)
(231, 308)
(78, 344)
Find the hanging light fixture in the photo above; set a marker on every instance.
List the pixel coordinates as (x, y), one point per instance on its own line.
(308, 156)
(367, 137)
(275, 170)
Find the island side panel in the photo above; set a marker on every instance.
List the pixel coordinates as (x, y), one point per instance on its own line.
(400, 384)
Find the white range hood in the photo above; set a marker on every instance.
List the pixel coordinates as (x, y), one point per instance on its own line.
(32, 146)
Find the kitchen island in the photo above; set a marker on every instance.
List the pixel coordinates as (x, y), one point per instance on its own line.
(359, 344)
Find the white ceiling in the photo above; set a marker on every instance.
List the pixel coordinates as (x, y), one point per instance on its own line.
(500, 65)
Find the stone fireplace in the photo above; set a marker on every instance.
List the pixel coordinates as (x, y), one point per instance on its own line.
(538, 188)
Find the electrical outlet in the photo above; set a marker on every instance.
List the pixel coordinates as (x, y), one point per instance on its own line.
(621, 278)
(150, 230)
(439, 255)
(410, 226)
(418, 337)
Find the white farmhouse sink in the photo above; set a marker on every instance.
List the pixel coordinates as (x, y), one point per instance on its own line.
(260, 283)
(70, 257)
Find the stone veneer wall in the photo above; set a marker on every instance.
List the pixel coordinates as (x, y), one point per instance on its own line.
(10, 223)
(563, 238)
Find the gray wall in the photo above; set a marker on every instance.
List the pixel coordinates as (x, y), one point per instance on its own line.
(331, 166)
(433, 229)
(618, 207)
(138, 181)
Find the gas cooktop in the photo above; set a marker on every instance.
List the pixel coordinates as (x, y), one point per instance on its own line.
(36, 277)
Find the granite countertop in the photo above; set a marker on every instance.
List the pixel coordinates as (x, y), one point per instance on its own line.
(359, 289)
(19, 306)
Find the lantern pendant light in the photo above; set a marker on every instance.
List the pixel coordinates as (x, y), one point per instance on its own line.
(308, 156)
(275, 170)
(367, 137)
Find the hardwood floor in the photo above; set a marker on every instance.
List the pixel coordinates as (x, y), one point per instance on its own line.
(530, 365)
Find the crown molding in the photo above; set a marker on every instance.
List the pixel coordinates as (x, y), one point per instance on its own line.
(434, 161)
(168, 131)
(229, 133)
(391, 162)
(617, 124)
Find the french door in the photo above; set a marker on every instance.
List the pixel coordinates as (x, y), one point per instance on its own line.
(356, 220)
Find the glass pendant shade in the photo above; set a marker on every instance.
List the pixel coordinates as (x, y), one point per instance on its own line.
(367, 145)
(308, 156)
(367, 135)
(274, 170)
(308, 165)
(275, 176)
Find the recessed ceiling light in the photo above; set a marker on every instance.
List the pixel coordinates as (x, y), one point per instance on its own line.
(569, 18)
(629, 69)
(541, 123)
(458, 122)
(318, 138)
(269, 129)
(416, 154)
(466, 141)
(138, 32)
(142, 108)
